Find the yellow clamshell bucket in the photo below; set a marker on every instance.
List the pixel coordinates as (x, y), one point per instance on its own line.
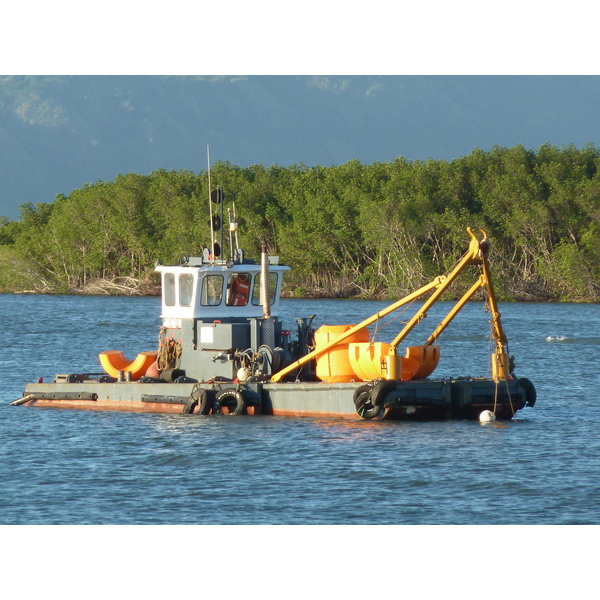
(373, 361)
(368, 359)
(333, 366)
(427, 357)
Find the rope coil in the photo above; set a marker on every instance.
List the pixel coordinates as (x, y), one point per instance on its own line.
(169, 351)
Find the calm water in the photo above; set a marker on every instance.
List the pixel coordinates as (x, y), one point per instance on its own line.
(78, 467)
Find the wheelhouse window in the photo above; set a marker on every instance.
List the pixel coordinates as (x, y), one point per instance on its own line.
(186, 289)
(272, 289)
(169, 289)
(212, 290)
(238, 289)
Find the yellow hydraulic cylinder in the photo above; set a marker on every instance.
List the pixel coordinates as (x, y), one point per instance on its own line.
(500, 365)
(393, 365)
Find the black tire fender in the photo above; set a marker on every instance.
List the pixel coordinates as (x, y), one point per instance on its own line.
(380, 390)
(232, 398)
(170, 375)
(199, 397)
(530, 393)
(363, 403)
(206, 402)
(190, 405)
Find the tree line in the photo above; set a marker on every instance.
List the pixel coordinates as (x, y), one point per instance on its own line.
(353, 230)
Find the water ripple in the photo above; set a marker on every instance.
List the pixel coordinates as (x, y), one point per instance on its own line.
(78, 467)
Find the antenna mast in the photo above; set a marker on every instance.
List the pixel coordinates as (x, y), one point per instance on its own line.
(212, 234)
(237, 241)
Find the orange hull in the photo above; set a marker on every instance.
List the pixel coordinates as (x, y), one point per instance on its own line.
(118, 405)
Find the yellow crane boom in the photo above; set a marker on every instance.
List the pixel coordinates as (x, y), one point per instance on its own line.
(392, 369)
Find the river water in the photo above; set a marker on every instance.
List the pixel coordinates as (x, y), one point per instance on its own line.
(63, 467)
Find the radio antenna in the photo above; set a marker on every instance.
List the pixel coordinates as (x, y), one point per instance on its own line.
(237, 241)
(212, 233)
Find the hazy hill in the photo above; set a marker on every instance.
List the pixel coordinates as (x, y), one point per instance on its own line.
(56, 133)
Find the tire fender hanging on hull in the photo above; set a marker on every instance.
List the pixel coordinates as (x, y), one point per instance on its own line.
(231, 398)
(369, 398)
(203, 399)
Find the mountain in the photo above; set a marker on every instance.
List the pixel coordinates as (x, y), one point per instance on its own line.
(59, 132)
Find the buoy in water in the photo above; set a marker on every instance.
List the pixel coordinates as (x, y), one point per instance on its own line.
(486, 416)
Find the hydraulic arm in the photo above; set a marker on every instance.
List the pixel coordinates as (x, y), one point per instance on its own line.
(475, 255)
(392, 369)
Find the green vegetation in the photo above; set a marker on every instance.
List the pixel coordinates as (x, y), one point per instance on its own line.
(369, 231)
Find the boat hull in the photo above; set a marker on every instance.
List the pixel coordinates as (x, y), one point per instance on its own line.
(389, 400)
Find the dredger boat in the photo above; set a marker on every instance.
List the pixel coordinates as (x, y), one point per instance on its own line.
(223, 350)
